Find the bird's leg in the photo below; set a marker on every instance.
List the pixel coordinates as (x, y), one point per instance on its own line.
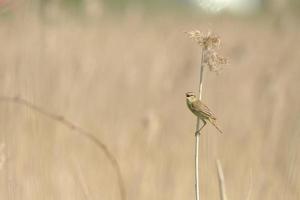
(204, 123)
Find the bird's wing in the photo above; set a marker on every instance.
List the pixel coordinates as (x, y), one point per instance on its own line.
(201, 107)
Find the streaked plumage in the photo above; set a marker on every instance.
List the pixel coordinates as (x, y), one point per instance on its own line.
(200, 110)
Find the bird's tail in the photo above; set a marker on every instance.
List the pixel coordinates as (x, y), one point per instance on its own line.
(213, 122)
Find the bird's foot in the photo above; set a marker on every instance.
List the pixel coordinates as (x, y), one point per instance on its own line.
(198, 132)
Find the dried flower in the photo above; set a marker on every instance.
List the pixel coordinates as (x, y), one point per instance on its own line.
(210, 42)
(207, 41)
(213, 60)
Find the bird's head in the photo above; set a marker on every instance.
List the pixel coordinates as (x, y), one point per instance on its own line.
(190, 96)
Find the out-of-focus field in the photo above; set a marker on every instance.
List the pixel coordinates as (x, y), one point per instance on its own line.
(124, 80)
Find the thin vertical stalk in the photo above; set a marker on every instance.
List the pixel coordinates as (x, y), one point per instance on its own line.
(222, 185)
(197, 180)
(250, 189)
(197, 164)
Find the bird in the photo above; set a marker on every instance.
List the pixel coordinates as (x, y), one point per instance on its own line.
(199, 109)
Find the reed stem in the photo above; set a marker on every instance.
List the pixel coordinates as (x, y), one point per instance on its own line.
(197, 135)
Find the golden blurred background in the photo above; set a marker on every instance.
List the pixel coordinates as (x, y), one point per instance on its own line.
(119, 69)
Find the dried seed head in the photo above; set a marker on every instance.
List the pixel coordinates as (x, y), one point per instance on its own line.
(210, 42)
(213, 60)
(207, 41)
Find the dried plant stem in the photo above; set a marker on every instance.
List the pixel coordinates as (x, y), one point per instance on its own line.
(197, 180)
(88, 135)
(249, 194)
(221, 181)
(197, 165)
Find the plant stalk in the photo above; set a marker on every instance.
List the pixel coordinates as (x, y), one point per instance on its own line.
(222, 185)
(197, 180)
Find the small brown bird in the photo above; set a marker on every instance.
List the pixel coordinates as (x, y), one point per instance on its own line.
(200, 110)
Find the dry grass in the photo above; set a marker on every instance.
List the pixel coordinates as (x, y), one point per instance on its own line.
(113, 78)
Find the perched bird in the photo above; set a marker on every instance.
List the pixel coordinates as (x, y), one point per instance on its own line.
(200, 110)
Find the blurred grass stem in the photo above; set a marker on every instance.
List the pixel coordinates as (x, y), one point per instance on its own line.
(85, 133)
(222, 185)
